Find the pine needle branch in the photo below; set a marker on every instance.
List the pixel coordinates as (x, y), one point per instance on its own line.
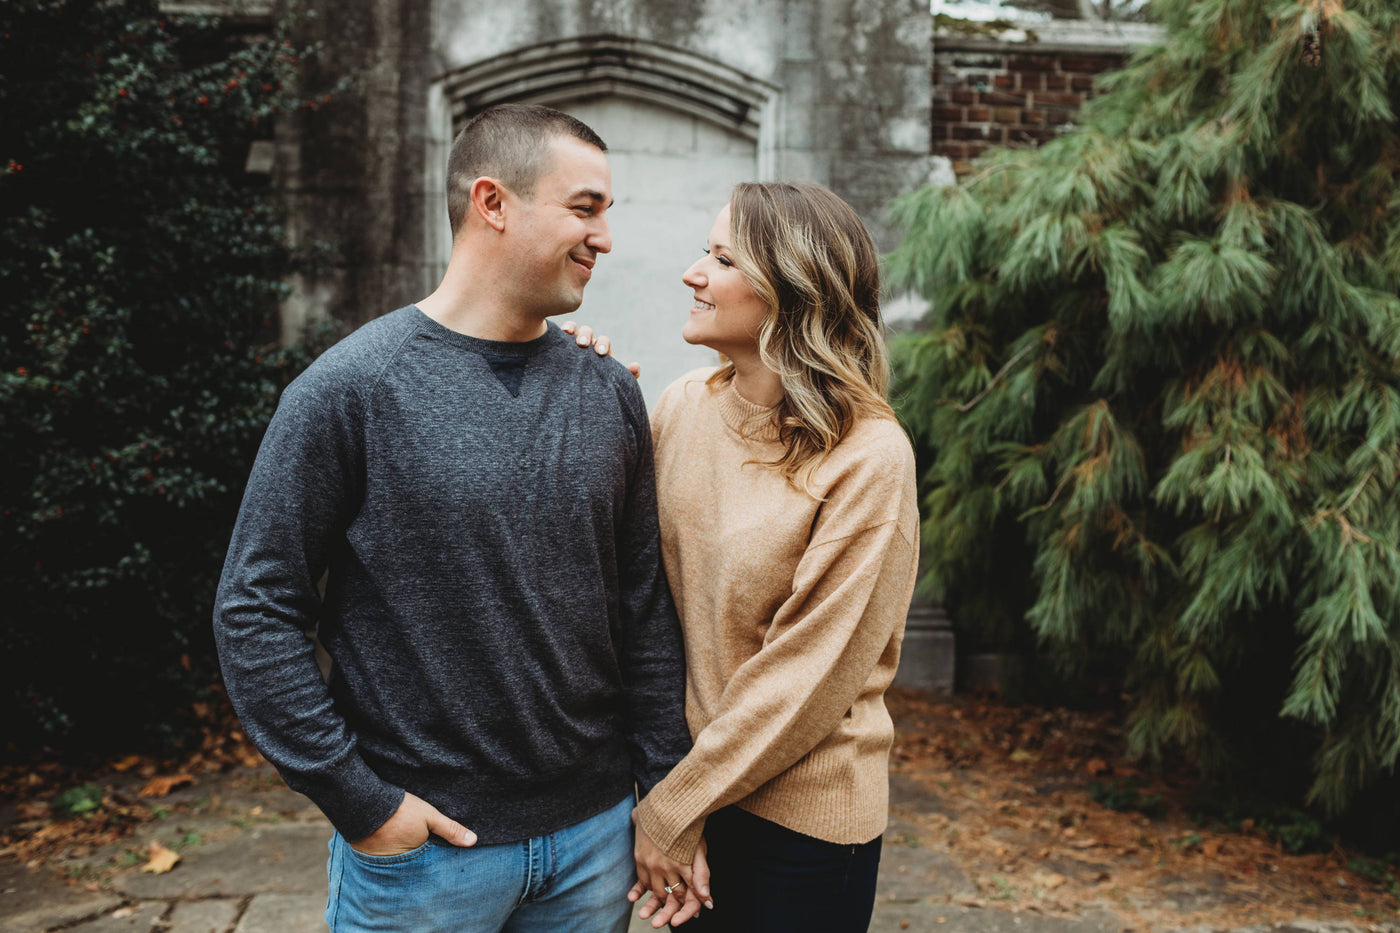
(967, 406)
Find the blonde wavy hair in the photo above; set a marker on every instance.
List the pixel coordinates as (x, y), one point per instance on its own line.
(809, 257)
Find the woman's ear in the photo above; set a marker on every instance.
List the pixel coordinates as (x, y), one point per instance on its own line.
(488, 200)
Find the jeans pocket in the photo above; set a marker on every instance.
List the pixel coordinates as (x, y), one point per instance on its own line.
(388, 861)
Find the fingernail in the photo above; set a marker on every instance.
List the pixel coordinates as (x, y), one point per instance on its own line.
(710, 905)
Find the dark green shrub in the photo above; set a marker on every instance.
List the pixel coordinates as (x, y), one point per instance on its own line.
(138, 353)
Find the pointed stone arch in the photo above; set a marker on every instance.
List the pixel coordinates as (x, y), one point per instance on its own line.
(569, 69)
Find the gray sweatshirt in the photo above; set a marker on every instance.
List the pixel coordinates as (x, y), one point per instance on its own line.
(504, 642)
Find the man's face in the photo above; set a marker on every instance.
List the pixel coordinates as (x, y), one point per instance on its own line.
(561, 228)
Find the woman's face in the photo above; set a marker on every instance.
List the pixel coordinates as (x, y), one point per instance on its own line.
(727, 312)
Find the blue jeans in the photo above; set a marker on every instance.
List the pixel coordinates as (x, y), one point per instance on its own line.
(575, 880)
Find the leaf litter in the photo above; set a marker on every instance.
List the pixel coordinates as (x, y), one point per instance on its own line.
(64, 811)
(1009, 793)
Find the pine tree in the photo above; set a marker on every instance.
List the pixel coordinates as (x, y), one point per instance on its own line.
(1161, 382)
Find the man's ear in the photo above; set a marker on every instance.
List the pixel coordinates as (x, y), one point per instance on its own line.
(489, 201)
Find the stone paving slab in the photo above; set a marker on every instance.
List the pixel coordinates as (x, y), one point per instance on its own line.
(212, 916)
(927, 917)
(285, 913)
(35, 900)
(277, 858)
(143, 917)
(909, 871)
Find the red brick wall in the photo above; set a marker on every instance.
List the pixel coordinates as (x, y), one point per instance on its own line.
(992, 97)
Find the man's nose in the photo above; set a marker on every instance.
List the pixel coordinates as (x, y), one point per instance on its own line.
(601, 237)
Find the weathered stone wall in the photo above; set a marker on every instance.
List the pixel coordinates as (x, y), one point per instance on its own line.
(848, 107)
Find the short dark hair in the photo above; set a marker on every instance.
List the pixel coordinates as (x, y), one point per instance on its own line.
(508, 142)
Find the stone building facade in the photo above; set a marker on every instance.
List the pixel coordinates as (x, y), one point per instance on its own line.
(692, 96)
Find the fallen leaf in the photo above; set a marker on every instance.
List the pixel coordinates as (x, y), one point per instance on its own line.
(127, 763)
(122, 913)
(1211, 848)
(33, 810)
(1048, 880)
(161, 785)
(1021, 754)
(1097, 766)
(161, 859)
(970, 902)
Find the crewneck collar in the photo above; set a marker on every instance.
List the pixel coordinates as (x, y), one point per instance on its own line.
(754, 422)
(523, 348)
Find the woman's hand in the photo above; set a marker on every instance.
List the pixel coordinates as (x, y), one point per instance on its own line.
(656, 871)
(583, 336)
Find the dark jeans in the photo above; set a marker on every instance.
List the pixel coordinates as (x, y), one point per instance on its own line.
(766, 878)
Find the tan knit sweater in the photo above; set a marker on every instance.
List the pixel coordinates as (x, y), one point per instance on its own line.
(793, 611)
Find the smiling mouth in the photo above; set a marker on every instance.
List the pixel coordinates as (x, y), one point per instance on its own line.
(585, 263)
(702, 306)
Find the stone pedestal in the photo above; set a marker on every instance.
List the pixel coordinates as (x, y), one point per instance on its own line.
(927, 659)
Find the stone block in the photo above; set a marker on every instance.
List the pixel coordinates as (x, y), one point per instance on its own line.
(927, 659)
(971, 132)
(907, 134)
(1032, 80)
(275, 859)
(285, 913)
(1058, 98)
(1033, 63)
(1093, 64)
(34, 900)
(213, 916)
(1005, 98)
(989, 61)
(135, 918)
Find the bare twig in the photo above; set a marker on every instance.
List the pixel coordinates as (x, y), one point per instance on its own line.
(966, 407)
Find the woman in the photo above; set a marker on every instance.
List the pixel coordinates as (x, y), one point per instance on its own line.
(789, 532)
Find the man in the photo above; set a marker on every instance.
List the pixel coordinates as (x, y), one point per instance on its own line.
(507, 661)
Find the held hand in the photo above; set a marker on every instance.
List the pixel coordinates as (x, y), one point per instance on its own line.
(409, 827)
(689, 884)
(583, 336)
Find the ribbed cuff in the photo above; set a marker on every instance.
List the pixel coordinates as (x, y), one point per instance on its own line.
(673, 814)
(355, 799)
